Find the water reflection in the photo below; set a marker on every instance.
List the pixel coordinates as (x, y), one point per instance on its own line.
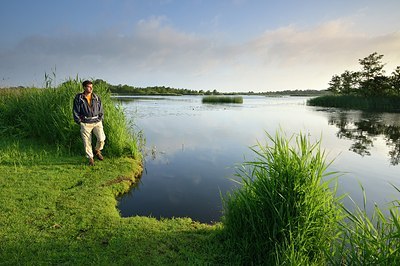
(131, 98)
(365, 128)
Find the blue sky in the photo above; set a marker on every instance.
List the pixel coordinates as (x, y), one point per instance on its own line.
(228, 45)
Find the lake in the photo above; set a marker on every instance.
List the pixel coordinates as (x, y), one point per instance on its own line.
(193, 150)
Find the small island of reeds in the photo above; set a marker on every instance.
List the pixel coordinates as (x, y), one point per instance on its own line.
(222, 99)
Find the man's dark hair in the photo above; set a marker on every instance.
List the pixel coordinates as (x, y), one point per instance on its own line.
(86, 82)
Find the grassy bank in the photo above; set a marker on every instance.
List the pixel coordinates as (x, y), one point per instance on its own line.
(379, 104)
(222, 99)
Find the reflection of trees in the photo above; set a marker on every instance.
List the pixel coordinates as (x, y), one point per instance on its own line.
(364, 128)
(393, 140)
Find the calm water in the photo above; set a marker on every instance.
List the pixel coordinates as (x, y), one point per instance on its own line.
(193, 149)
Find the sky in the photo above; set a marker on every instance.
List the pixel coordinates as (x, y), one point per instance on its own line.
(227, 45)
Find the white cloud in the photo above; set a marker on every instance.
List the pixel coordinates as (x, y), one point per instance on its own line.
(155, 53)
(309, 57)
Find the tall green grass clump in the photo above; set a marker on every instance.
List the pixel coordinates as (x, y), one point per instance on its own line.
(284, 213)
(222, 99)
(46, 115)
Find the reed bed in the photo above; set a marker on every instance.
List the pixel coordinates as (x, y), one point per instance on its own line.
(382, 104)
(46, 115)
(284, 211)
(222, 99)
(369, 240)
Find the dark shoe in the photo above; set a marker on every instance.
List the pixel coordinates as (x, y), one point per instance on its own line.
(98, 155)
(91, 161)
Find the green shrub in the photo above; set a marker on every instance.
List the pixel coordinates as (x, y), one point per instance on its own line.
(284, 212)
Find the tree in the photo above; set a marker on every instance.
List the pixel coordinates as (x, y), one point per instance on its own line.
(372, 68)
(335, 85)
(380, 85)
(349, 82)
(395, 81)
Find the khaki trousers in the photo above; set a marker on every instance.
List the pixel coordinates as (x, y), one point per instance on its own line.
(86, 133)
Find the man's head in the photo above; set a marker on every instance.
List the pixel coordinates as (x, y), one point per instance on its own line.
(87, 86)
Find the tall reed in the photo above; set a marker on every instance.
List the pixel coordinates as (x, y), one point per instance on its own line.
(46, 115)
(284, 212)
(369, 240)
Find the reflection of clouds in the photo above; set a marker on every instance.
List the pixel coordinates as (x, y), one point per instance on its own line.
(174, 196)
(196, 179)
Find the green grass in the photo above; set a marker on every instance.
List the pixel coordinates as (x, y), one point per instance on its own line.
(381, 104)
(285, 211)
(222, 99)
(369, 240)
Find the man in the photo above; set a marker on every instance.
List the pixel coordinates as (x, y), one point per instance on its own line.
(88, 113)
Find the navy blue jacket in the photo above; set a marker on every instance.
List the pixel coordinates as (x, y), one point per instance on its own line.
(87, 114)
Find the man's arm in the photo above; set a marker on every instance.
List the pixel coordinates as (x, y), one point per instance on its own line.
(76, 110)
(101, 111)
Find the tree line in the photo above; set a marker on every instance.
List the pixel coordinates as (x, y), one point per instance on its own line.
(163, 90)
(370, 81)
(152, 90)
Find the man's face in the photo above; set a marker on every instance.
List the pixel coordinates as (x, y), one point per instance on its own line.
(89, 88)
